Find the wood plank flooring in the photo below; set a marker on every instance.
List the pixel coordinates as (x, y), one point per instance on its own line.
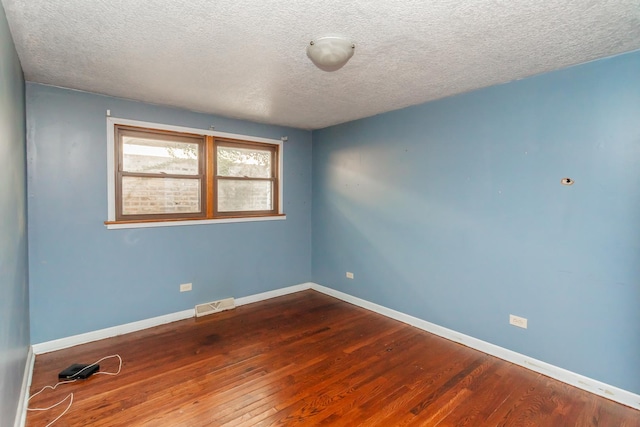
(306, 359)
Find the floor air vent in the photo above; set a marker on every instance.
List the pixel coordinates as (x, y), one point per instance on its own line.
(215, 307)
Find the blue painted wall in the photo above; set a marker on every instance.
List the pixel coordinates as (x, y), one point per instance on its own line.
(84, 277)
(453, 212)
(14, 292)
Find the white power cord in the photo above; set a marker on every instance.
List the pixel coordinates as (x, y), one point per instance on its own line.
(70, 395)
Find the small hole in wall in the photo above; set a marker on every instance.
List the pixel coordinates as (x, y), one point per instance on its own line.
(567, 181)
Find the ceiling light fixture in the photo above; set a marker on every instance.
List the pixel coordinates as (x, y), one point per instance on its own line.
(330, 53)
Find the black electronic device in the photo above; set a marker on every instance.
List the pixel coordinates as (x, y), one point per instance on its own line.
(78, 371)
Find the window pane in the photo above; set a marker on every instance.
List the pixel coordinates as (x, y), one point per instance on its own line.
(234, 196)
(155, 156)
(159, 195)
(244, 162)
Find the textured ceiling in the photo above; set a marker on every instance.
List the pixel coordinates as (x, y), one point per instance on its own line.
(246, 58)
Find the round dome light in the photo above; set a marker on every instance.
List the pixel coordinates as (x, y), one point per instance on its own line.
(330, 53)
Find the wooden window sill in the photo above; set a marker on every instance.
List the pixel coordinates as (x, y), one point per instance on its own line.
(115, 225)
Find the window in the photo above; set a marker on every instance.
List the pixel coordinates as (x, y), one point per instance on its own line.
(169, 175)
(245, 179)
(159, 175)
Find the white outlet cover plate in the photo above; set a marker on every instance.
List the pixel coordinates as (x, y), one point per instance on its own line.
(349, 275)
(185, 287)
(518, 321)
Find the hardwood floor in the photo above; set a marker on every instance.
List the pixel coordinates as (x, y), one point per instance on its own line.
(306, 359)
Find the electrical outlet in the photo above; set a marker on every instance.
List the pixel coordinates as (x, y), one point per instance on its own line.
(518, 321)
(185, 287)
(349, 275)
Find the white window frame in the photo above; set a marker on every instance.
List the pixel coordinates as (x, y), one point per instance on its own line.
(111, 180)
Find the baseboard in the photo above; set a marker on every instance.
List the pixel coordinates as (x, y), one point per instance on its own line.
(23, 402)
(87, 337)
(273, 294)
(114, 331)
(580, 381)
(588, 384)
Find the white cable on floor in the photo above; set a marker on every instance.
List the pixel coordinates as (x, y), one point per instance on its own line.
(70, 396)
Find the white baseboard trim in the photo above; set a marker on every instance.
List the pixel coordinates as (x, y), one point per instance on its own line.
(272, 294)
(23, 403)
(62, 343)
(588, 384)
(114, 331)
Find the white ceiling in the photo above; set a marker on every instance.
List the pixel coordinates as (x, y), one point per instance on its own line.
(246, 58)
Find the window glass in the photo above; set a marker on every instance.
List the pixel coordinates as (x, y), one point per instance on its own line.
(244, 162)
(236, 195)
(142, 196)
(156, 156)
